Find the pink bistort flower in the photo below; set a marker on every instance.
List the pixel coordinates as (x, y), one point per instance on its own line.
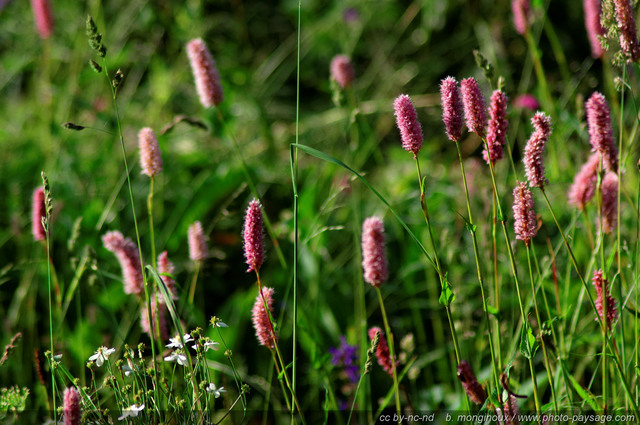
(498, 126)
(126, 251)
(470, 383)
(584, 184)
(407, 122)
(533, 164)
(627, 30)
(253, 238)
(374, 258)
(592, 10)
(525, 223)
(205, 73)
(474, 107)
(604, 297)
(166, 270)
(451, 108)
(521, 10)
(38, 211)
(382, 353)
(261, 321)
(600, 132)
(150, 157)
(609, 189)
(43, 16)
(342, 70)
(197, 242)
(71, 406)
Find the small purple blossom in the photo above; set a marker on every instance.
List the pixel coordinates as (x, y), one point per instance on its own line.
(527, 101)
(346, 355)
(342, 71)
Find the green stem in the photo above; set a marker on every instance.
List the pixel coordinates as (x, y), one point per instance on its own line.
(387, 329)
(476, 254)
(194, 281)
(547, 363)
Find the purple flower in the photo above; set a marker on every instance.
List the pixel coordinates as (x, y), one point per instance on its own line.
(451, 108)
(474, 106)
(600, 132)
(525, 224)
(346, 356)
(407, 122)
(253, 243)
(374, 258)
(533, 164)
(498, 126)
(592, 10)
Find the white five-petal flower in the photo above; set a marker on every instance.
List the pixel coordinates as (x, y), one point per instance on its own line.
(177, 356)
(131, 411)
(208, 345)
(176, 343)
(102, 354)
(211, 389)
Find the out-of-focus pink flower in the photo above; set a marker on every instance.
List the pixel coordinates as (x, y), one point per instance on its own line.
(38, 211)
(533, 163)
(205, 73)
(253, 238)
(525, 224)
(474, 107)
(527, 101)
(197, 242)
(408, 124)
(592, 10)
(600, 132)
(451, 108)
(71, 406)
(166, 270)
(126, 251)
(382, 353)
(584, 184)
(43, 16)
(158, 317)
(609, 188)
(498, 127)
(374, 258)
(150, 157)
(521, 10)
(342, 70)
(260, 317)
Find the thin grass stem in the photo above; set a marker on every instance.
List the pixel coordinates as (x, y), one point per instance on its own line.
(387, 329)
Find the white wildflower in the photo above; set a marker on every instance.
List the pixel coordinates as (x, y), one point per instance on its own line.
(176, 343)
(217, 392)
(131, 411)
(102, 354)
(177, 356)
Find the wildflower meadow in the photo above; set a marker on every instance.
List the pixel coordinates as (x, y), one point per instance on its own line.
(319, 212)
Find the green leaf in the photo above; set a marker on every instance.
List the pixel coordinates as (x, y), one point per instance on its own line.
(528, 342)
(583, 393)
(470, 227)
(446, 296)
(494, 312)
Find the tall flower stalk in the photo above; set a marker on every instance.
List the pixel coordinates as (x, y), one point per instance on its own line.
(452, 117)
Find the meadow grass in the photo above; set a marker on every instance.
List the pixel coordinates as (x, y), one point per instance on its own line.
(473, 316)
